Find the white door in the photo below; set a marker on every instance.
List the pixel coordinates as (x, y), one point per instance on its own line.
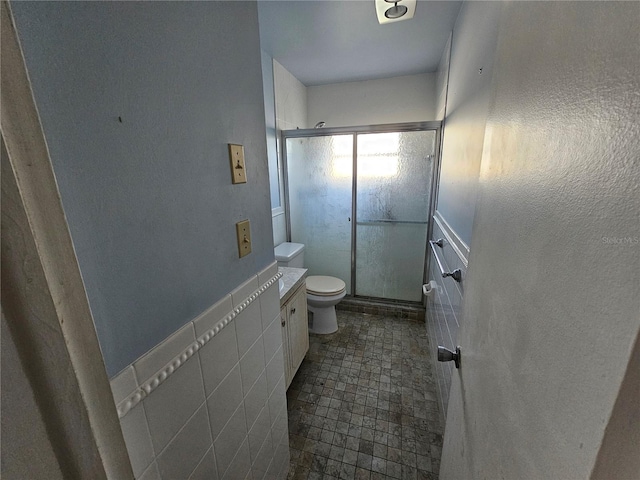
(552, 296)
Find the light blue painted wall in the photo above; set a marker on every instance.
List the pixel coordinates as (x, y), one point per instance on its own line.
(149, 200)
(473, 45)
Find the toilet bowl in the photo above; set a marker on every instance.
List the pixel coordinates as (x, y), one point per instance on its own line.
(323, 294)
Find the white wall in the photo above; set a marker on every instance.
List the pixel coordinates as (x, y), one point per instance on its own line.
(291, 99)
(467, 93)
(291, 113)
(270, 123)
(472, 48)
(553, 290)
(275, 163)
(442, 80)
(409, 98)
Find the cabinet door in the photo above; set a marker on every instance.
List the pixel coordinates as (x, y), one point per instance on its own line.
(298, 328)
(288, 375)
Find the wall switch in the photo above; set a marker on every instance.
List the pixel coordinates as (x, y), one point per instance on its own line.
(243, 230)
(238, 169)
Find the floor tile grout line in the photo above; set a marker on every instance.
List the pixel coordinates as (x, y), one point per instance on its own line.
(348, 367)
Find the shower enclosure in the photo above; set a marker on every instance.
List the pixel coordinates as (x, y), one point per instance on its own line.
(360, 199)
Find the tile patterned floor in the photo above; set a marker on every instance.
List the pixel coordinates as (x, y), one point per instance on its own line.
(363, 403)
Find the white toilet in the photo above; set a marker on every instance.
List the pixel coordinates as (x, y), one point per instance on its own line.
(323, 292)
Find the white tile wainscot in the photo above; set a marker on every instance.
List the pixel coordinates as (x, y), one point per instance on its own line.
(209, 401)
(293, 316)
(443, 314)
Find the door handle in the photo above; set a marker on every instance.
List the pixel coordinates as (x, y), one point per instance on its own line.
(446, 355)
(293, 310)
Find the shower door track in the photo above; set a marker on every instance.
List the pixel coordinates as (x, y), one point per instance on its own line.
(354, 131)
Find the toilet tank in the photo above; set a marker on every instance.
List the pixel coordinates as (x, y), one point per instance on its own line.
(290, 254)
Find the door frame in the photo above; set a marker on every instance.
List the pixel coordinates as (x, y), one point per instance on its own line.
(434, 125)
(44, 301)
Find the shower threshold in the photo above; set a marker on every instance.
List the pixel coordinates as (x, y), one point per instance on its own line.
(378, 306)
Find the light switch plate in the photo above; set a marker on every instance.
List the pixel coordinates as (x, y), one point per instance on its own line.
(238, 168)
(243, 230)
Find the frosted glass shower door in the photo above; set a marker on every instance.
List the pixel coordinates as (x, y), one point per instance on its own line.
(320, 172)
(394, 176)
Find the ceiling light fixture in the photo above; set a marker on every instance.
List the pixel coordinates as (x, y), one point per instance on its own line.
(395, 11)
(401, 10)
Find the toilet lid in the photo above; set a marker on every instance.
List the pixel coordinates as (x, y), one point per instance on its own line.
(324, 285)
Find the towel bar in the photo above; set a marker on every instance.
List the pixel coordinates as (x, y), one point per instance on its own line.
(456, 274)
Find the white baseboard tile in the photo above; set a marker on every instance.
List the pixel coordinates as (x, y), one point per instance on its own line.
(282, 454)
(218, 357)
(124, 384)
(183, 454)
(260, 430)
(138, 439)
(255, 399)
(240, 466)
(279, 467)
(224, 401)
(265, 275)
(280, 427)
(248, 327)
(275, 370)
(206, 469)
(277, 400)
(212, 316)
(151, 473)
(272, 337)
(170, 406)
(198, 405)
(241, 295)
(260, 464)
(230, 440)
(270, 305)
(252, 364)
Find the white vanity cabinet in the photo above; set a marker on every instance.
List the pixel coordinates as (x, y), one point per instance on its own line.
(295, 332)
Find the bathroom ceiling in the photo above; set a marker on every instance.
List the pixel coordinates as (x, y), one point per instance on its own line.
(324, 41)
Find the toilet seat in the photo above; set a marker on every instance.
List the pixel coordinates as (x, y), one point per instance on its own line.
(325, 286)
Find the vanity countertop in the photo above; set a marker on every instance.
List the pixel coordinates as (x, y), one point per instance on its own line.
(292, 279)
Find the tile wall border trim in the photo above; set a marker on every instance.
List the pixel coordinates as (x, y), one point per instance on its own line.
(461, 248)
(161, 376)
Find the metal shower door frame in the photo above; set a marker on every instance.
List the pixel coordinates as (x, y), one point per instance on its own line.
(354, 131)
